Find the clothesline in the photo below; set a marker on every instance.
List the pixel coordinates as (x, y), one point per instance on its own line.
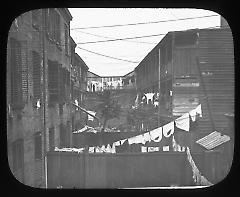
(156, 134)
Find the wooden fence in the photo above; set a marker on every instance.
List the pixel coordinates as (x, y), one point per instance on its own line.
(124, 170)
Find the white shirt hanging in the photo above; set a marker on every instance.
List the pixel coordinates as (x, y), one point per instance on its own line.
(113, 149)
(183, 122)
(156, 134)
(136, 140)
(91, 149)
(147, 137)
(143, 149)
(117, 143)
(90, 117)
(196, 111)
(149, 96)
(168, 129)
(108, 149)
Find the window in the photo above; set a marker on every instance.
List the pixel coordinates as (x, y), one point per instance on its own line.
(66, 40)
(51, 139)
(57, 30)
(38, 145)
(18, 72)
(62, 80)
(18, 154)
(53, 81)
(63, 136)
(36, 62)
(53, 25)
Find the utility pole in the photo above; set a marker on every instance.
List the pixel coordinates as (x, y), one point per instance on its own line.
(44, 94)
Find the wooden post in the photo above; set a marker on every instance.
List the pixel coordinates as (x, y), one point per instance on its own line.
(205, 94)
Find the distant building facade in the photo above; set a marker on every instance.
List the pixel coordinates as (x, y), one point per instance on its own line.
(98, 83)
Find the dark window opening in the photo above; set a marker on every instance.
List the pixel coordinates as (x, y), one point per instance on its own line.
(62, 136)
(51, 139)
(53, 81)
(185, 39)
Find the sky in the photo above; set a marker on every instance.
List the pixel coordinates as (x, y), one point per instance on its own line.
(99, 56)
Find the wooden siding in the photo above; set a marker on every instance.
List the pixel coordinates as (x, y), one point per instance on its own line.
(216, 63)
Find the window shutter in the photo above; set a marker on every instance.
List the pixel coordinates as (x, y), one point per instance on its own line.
(15, 66)
(66, 39)
(61, 84)
(36, 62)
(53, 81)
(24, 73)
(57, 28)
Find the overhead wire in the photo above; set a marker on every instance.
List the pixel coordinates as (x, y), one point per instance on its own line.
(107, 55)
(130, 24)
(121, 39)
(144, 23)
(115, 38)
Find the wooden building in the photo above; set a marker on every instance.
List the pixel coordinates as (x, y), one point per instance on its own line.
(189, 68)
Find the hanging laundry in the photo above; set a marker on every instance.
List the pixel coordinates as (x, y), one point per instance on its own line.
(153, 149)
(76, 102)
(156, 134)
(117, 143)
(122, 141)
(183, 122)
(82, 129)
(136, 102)
(165, 148)
(38, 104)
(155, 103)
(168, 129)
(113, 149)
(91, 149)
(108, 149)
(176, 147)
(147, 137)
(149, 96)
(136, 140)
(90, 117)
(98, 149)
(103, 148)
(143, 149)
(197, 111)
